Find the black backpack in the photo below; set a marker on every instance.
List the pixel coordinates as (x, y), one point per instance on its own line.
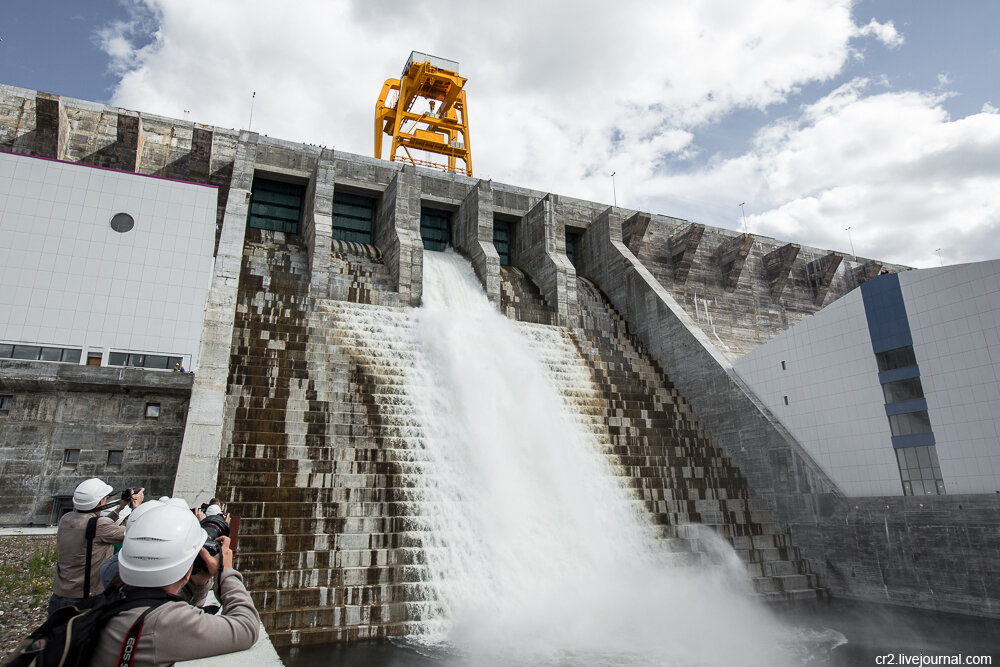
(70, 635)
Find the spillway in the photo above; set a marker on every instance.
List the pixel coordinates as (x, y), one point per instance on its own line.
(533, 549)
(492, 489)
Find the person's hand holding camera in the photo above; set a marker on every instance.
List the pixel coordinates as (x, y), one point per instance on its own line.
(227, 554)
(203, 576)
(137, 497)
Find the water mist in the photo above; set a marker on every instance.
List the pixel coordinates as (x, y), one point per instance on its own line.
(535, 552)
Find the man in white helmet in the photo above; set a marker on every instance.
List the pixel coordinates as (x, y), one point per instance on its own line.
(85, 537)
(159, 552)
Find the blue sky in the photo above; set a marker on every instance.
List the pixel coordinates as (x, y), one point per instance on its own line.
(880, 115)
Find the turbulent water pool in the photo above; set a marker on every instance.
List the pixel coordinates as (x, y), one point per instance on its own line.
(870, 634)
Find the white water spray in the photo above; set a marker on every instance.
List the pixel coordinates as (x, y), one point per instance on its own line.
(535, 552)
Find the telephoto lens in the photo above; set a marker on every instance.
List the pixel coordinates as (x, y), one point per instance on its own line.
(216, 526)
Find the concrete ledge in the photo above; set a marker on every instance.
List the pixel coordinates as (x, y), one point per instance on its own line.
(261, 654)
(18, 375)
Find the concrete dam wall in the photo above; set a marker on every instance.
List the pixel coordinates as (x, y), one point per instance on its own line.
(299, 412)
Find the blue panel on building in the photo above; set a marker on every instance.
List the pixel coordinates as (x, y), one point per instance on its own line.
(914, 440)
(886, 313)
(914, 405)
(897, 374)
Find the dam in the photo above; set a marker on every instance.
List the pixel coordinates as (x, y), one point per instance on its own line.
(457, 410)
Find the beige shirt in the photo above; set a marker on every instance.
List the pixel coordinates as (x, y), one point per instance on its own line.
(178, 631)
(71, 545)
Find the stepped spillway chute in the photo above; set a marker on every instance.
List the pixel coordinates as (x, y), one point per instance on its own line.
(535, 549)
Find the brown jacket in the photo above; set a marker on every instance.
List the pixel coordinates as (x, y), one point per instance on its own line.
(71, 545)
(178, 631)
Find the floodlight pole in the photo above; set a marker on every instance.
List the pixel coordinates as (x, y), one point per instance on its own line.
(745, 232)
(853, 254)
(614, 192)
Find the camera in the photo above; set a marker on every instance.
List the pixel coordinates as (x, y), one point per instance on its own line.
(127, 495)
(216, 526)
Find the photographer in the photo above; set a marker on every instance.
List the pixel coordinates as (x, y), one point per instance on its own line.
(84, 538)
(215, 522)
(159, 554)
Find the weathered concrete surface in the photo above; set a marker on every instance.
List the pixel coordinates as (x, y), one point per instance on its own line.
(820, 273)
(781, 473)
(682, 246)
(684, 258)
(317, 223)
(931, 552)
(541, 252)
(96, 410)
(473, 236)
(732, 258)
(199, 462)
(777, 266)
(397, 234)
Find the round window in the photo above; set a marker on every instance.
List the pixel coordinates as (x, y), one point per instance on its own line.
(122, 222)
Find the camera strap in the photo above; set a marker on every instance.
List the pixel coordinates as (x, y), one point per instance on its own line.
(131, 642)
(90, 534)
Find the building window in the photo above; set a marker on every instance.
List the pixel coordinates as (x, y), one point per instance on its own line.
(122, 222)
(71, 457)
(919, 471)
(899, 358)
(501, 241)
(94, 358)
(115, 457)
(910, 423)
(39, 353)
(28, 352)
(6, 403)
(786, 400)
(903, 390)
(152, 410)
(782, 365)
(435, 228)
(353, 218)
(155, 361)
(572, 241)
(275, 205)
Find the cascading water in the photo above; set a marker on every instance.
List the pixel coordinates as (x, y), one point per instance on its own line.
(526, 548)
(535, 553)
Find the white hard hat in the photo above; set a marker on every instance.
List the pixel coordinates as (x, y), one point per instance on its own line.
(177, 502)
(160, 546)
(140, 510)
(212, 510)
(89, 494)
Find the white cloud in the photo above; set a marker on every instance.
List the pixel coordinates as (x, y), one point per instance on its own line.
(893, 166)
(883, 32)
(563, 93)
(549, 83)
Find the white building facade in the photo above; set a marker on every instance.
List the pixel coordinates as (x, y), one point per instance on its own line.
(101, 266)
(894, 389)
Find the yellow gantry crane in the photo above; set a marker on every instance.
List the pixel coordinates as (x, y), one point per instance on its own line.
(425, 110)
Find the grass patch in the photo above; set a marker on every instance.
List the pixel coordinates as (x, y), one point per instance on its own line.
(30, 574)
